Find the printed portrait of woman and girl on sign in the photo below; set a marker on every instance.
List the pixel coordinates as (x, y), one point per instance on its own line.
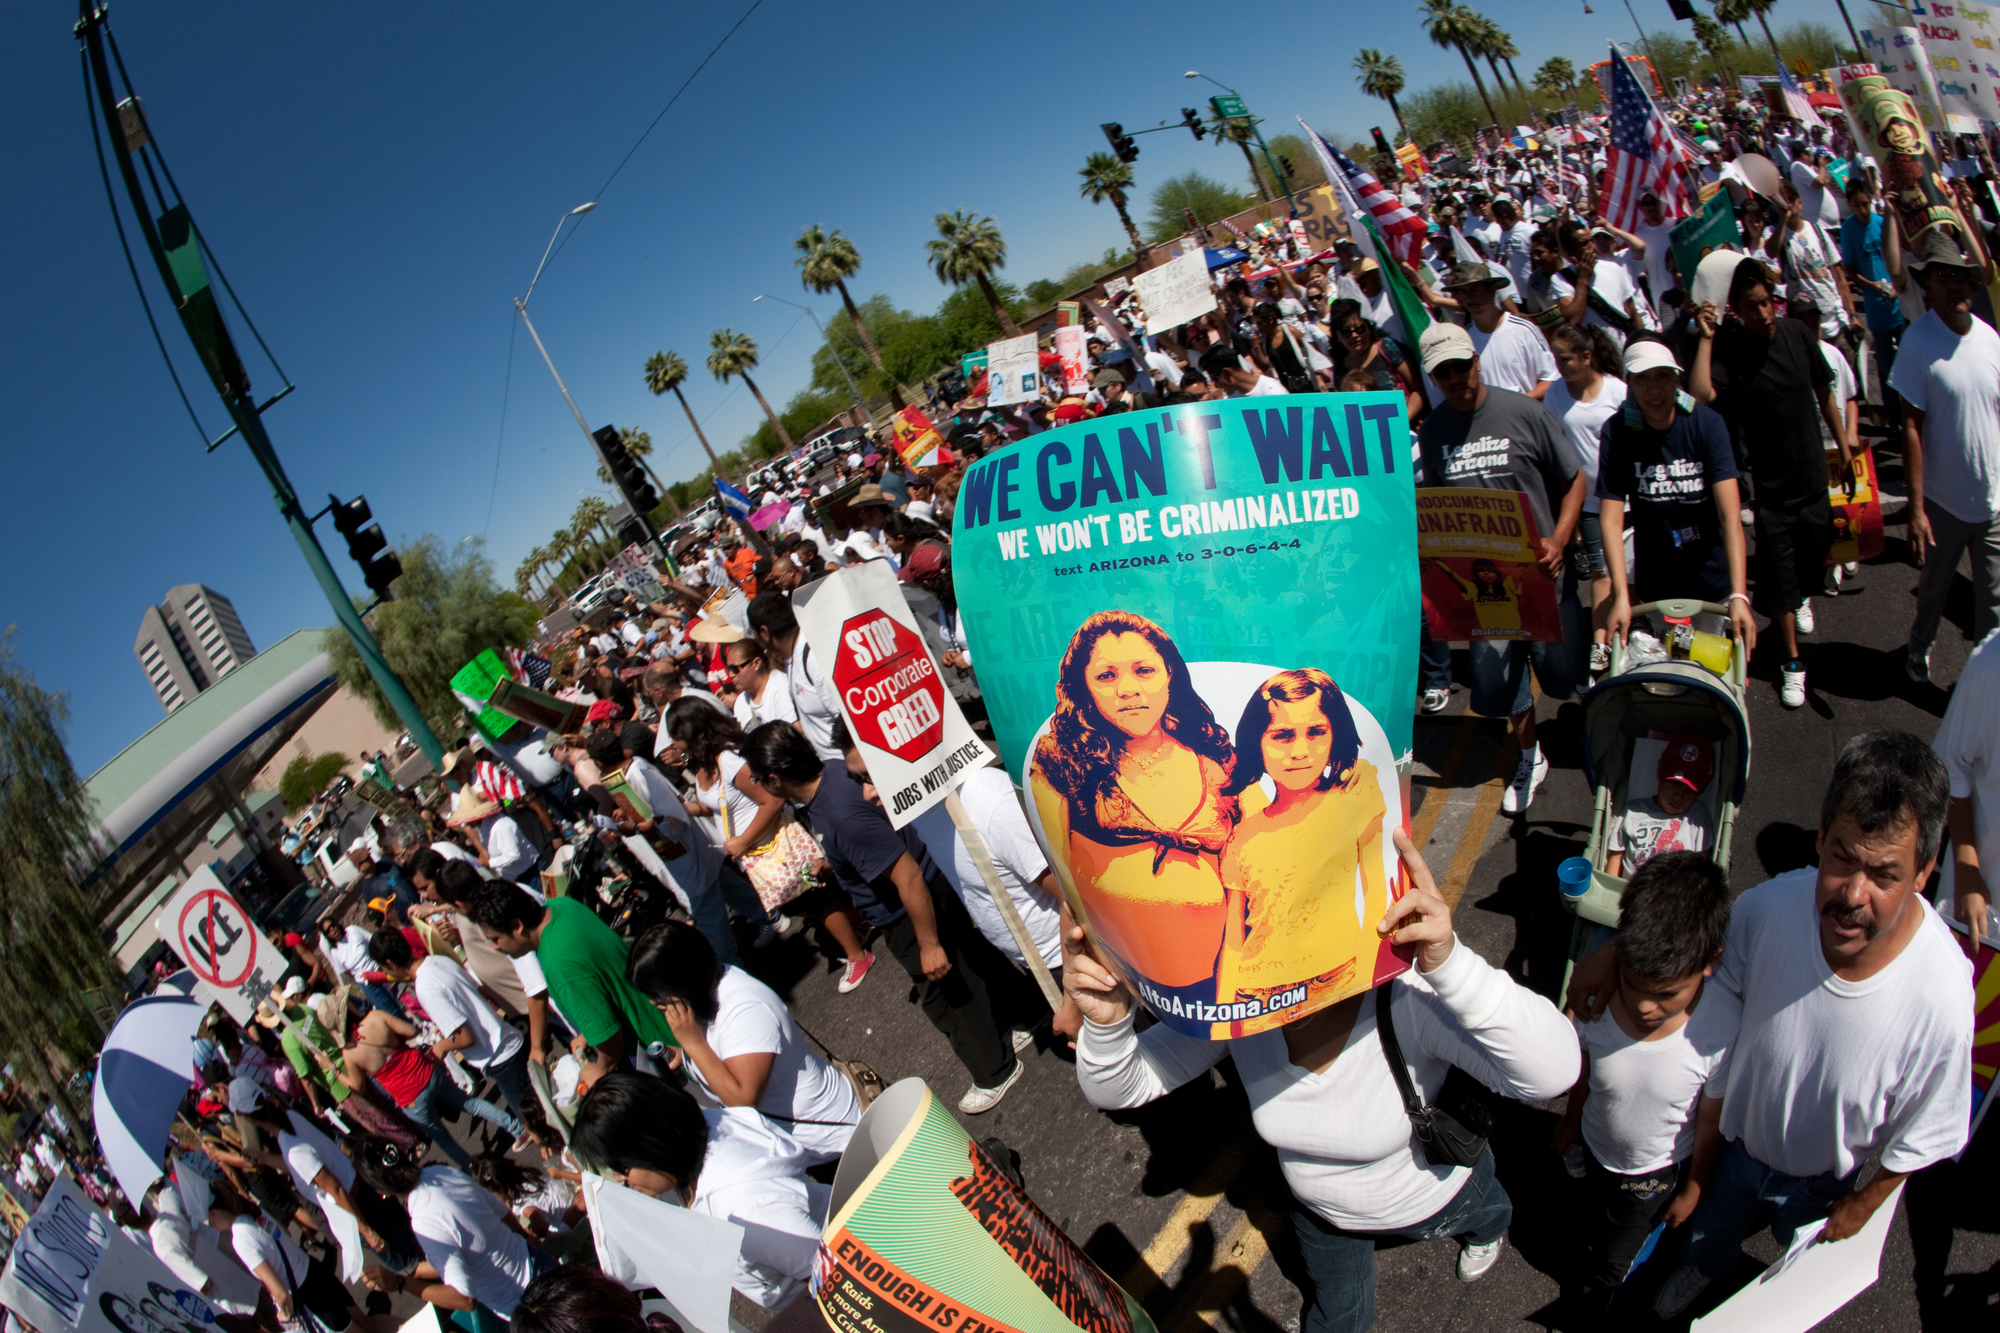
(1219, 827)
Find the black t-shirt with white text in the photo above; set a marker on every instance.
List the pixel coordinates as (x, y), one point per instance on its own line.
(1666, 480)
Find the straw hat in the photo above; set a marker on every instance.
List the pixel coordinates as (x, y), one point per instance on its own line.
(471, 810)
(714, 629)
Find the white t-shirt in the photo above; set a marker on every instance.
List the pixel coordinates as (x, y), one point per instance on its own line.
(1646, 830)
(1658, 247)
(1968, 740)
(351, 954)
(1827, 1071)
(696, 868)
(1342, 1136)
(814, 699)
(1611, 284)
(989, 798)
(1811, 261)
(1514, 356)
(1845, 389)
(754, 1175)
(1265, 387)
(1955, 383)
(452, 999)
(751, 1019)
(259, 1241)
(1582, 423)
(509, 854)
(464, 1234)
(1639, 1116)
(742, 808)
(775, 706)
(1512, 252)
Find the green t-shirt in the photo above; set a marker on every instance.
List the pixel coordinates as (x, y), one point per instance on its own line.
(584, 961)
(301, 1059)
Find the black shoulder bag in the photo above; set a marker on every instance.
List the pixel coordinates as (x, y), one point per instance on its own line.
(1453, 1135)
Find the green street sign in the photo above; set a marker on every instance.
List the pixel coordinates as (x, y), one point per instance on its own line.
(1229, 107)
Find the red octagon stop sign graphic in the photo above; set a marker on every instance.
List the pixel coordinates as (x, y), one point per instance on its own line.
(890, 686)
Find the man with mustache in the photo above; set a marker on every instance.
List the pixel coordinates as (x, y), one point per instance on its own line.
(1857, 1022)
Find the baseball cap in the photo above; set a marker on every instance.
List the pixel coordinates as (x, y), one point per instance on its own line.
(925, 561)
(244, 1094)
(1443, 342)
(1472, 273)
(1709, 146)
(604, 710)
(1105, 378)
(296, 986)
(1687, 758)
(1645, 354)
(292, 941)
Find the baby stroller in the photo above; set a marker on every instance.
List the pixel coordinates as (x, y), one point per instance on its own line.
(1627, 717)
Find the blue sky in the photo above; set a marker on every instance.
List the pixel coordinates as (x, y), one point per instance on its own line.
(379, 181)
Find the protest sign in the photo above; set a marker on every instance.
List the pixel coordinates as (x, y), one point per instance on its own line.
(1013, 371)
(72, 1270)
(1075, 358)
(1985, 1013)
(1898, 53)
(1113, 286)
(1714, 228)
(1481, 574)
(927, 1234)
(1114, 328)
(473, 684)
(1794, 1295)
(1208, 605)
(1857, 510)
(538, 708)
(688, 1257)
(1958, 46)
(892, 694)
(1175, 292)
(917, 440)
(233, 964)
(632, 570)
(971, 363)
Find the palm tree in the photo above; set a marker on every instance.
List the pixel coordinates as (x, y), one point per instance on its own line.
(666, 372)
(1502, 45)
(827, 260)
(560, 548)
(1734, 12)
(587, 527)
(1105, 177)
(733, 353)
(1486, 45)
(969, 249)
(1714, 40)
(1449, 25)
(531, 565)
(1760, 8)
(1381, 76)
(1557, 78)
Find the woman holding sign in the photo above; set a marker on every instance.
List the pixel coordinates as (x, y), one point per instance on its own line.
(1290, 868)
(1131, 784)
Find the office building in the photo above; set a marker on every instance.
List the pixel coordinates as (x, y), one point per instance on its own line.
(189, 642)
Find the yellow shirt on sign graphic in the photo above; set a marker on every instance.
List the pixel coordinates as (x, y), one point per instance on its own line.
(1495, 596)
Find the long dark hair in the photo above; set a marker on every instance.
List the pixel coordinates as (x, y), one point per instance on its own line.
(632, 1121)
(504, 1176)
(1595, 343)
(674, 961)
(570, 1299)
(703, 730)
(1290, 687)
(1079, 756)
(388, 1167)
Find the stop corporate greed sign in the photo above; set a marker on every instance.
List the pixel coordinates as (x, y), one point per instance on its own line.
(909, 729)
(1196, 629)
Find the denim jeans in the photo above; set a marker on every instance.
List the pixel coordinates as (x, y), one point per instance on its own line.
(441, 1095)
(1740, 1190)
(511, 1076)
(1341, 1264)
(1500, 666)
(1433, 661)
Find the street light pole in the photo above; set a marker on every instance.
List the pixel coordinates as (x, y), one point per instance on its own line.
(859, 405)
(1277, 174)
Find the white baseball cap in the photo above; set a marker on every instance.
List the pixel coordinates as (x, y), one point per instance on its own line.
(1645, 355)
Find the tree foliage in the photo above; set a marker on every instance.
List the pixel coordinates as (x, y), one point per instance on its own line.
(308, 775)
(1209, 199)
(447, 609)
(52, 959)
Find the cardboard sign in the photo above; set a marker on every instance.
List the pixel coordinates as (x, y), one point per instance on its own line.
(1481, 573)
(689, 1257)
(1013, 371)
(1857, 510)
(233, 964)
(926, 1234)
(1175, 292)
(632, 569)
(474, 684)
(1192, 626)
(1794, 1295)
(892, 694)
(917, 440)
(73, 1270)
(538, 708)
(1985, 1018)
(1714, 228)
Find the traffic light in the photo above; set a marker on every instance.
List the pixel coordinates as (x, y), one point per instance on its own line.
(366, 545)
(1192, 119)
(1121, 142)
(1286, 163)
(1381, 144)
(1681, 9)
(626, 472)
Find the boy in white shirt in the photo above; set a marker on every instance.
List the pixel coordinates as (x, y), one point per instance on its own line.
(1653, 1065)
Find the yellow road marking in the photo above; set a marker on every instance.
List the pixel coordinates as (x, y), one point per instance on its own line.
(1171, 1241)
(1236, 1259)
(1473, 841)
(1438, 794)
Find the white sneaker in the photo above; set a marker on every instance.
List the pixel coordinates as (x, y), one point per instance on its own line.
(1805, 615)
(1023, 1039)
(1851, 568)
(1600, 658)
(978, 1100)
(1434, 701)
(1474, 1260)
(1792, 684)
(787, 926)
(1528, 775)
(1678, 1292)
(1917, 666)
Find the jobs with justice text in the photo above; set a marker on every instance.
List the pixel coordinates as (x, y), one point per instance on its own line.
(1196, 632)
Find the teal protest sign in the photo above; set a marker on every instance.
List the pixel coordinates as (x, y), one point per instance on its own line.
(1195, 628)
(1714, 228)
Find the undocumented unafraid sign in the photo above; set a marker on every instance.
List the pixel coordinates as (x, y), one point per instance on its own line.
(1481, 571)
(1194, 633)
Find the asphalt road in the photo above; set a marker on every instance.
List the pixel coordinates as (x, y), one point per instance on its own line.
(1183, 1204)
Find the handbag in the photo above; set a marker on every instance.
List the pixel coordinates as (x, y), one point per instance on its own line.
(784, 866)
(1449, 1136)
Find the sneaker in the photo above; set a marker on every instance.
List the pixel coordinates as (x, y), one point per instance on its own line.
(1749, 516)
(787, 926)
(765, 935)
(1805, 615)
(1831, 585)
(978, 1100)
(1678, 1292)
(1528, 775)
(1792, 686)
(1600, 658)
(1851, 568)
(1474, 1260)
(1917, 666)
(1434, 701)
(857, 970)
(1023, 1040)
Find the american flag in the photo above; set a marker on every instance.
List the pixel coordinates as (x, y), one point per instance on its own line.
(1574, 183)
(1643, 156)
(1401, 228)
(532, 668)
(498, 784)
(1795, 100)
